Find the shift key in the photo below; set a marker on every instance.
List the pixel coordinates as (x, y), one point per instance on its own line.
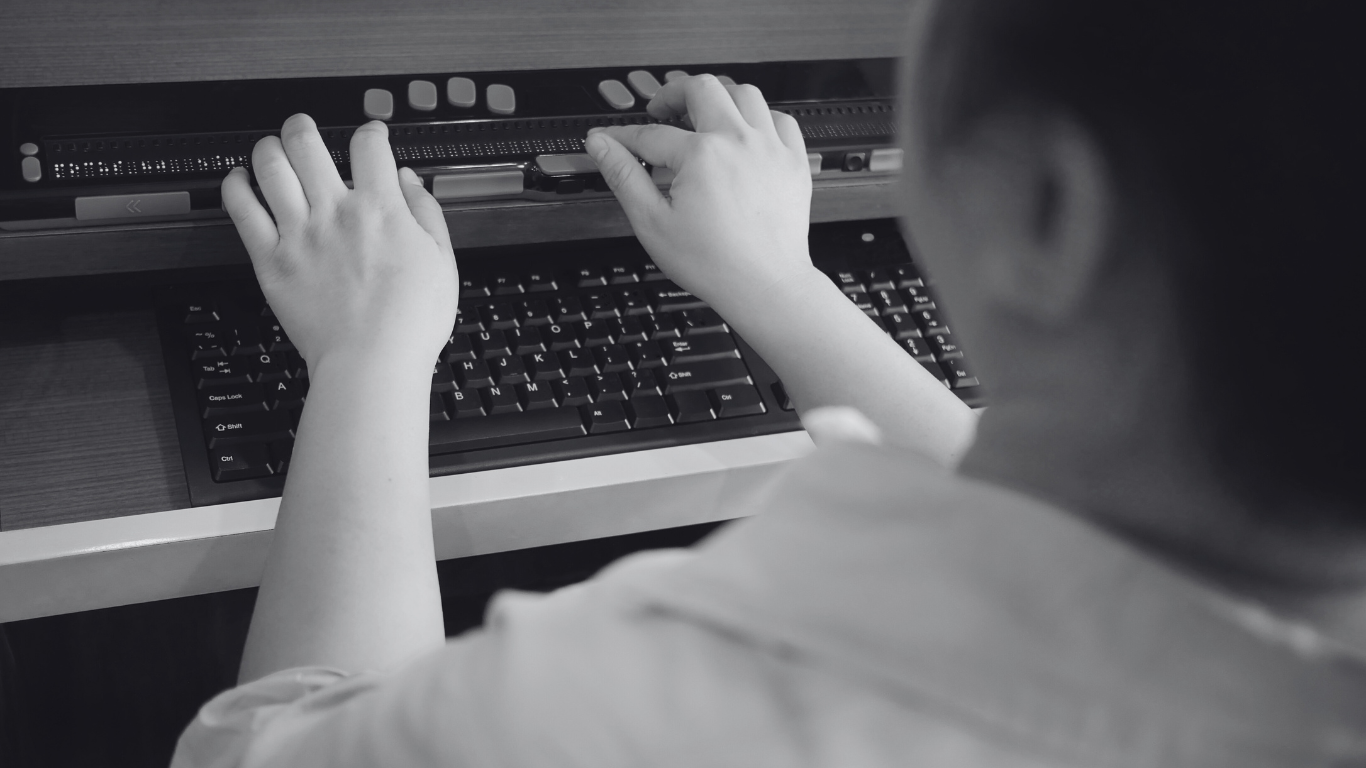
(247, 428)
(704, 375)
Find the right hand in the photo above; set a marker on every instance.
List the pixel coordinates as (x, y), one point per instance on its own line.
(735, 223)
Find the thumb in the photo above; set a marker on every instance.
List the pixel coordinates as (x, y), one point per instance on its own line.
(634, 188)
(424, 207)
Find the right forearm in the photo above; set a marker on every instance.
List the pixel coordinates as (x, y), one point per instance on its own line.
(827, 352)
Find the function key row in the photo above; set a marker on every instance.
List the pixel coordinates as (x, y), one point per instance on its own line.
(510, 284)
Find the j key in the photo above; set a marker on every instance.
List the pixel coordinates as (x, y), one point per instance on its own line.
(648, 411)
(470, 288)
(437, 408)
(569, 309)
(960, 377)
(879, 280)
(589, 277)
(544, 366)
(918, 349)
(509, 370)
(704, 320)
(465, 403)
(536, 394)
(906, 276)
(713, 373)
(599, 305)
(662, 327)
(737, 401)
(692, 406)
(270, 367)
(491, 344)
(612, 358)
(505, 429)
(572, 391)
(889, 302)
(937, 371)
(239, 462)
(626, 329)
(500, 399)
(901, 326)
(240, 398)
(594, 333)
(671, 298)
(533, 312)
(647, 354)
(467, 322)
(944, 348)
(608, 386)
(246, 428)
(649, 273)
(930, 321)
(212, 373)
(443, 380)
(633, 302)
(640, 383)
(561, 336)
(577, 362)
(505, 285)
(281, 453)
(498, 316)
(526, 340)
(283, 395)
(715, 346)
(918, 297)
(863, 301)
(458, 347)
(849, 282)
(200, 312)
(780, 392)
(248, 342)
(275, 339)
(472, 374)
(540, 282)
(606, 417)
(620, 274)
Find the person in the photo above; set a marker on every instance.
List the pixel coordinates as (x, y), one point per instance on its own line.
(1151, 552)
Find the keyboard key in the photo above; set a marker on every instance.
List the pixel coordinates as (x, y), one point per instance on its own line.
(297, 367)
(594, 333)
(620, 274)
(641, 383)
(533, 312)
(198, 312)
(633, 302)
(688, 407)
(239, 398)
(248, 342)
(612, 358)
(649, 273)
(283, 395)
(577, 362)
(247, 427)
(599, 305)
(472, 374)
(505, 429)
(705, 375)
(458, 348)
(863, 301)
(918, 297)
(784, 401)
(572, 391)
(208, 345)
(509, 370)
(662, 327)
(214, 373)
(465, 403)
(737, 401)
(239, 463)
(471, 288)
(467, 322)
(671, 298)
(561, 336)
(889, 302)
(608, 386)
(626, 330)
(695, 321)
(544, 366)
(849, 281)
(526, 340)
(498, 316)
(944, 348)
(269, 367)
(275, 339)
(906, 276)
(918, 349)
(715, 346)
(901, 326)
(540, 282)
(930, 321)
(879, 280)
(569, 309)
(505, 284)
(648, 411)
(437, 408)
(960, 377)
(589, 277)
(536, 394)
(606, 417)
(489, 344)
(500, 399)
(281, 453)
(443, 379)
(646, 354)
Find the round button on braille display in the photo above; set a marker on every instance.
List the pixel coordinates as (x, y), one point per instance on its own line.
(379, 104)
(460, 92)
(673, 75)
(616, 94)
(422, 95)
(32, 169)
(28, 149)
(645, 83)
(502, 100)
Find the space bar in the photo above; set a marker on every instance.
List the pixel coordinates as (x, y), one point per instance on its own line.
(504, 429)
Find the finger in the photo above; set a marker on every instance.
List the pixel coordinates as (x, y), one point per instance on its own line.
(311, 161)
(372, 161)
(275, 176)
(750, 101)
(702, 98)
(253, 223)
(634, 188)
(789, 132)
(659, 145)
(425, 208)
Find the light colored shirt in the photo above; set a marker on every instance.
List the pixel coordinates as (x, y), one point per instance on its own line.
(874, 611)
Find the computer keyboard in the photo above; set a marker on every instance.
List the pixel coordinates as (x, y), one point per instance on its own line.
(559, 350)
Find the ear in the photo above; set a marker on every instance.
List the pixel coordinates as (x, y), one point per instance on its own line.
(1043, 196)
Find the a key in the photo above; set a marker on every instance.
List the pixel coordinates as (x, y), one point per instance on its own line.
(283, 395)
(473, 374)
(605, 417)
(543, 366)
(594, 333)
(737, 401)
(944, 348)
(608, 386)
(640, 383)
(960, 377)
(901, 326)
(577, 362)
(533, 312)
(239, 462)
(688, 407)
(437, 408)
(498, 316)
(917, 348)
(465, 403)
(198, 312)
(247, 427)
(646, 354)
(714, 346)
(213, 373)
(472, 288)
(612, 358)
(671, 298)
(660, 327)
(560, 336)
(239, 398)
(505, 284)
(572, 391)
(500, 399)
(443, 380)
(569, 310)
(525, 340)
(509, 370)
(536, 394)
(626, 329)
(704, 375)
(458, 347)
(620, 274)
(648, 411)
(504, 429)
(889, 302)
(489, 344)
(269, 367)
(705, 320)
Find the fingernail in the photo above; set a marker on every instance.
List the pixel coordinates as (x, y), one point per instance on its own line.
(595, 144)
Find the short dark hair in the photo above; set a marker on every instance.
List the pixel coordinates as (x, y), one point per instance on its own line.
(1246, 114)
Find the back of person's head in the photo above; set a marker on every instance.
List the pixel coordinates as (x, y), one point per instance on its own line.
(1245, 115)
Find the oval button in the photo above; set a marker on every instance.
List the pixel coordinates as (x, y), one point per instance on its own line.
(616, 94)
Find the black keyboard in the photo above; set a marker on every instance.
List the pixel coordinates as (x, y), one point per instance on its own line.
(559, 351)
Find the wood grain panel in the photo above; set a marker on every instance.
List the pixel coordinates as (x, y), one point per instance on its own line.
(77, 42)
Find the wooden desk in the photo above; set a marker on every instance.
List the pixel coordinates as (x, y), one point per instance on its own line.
(90, 476)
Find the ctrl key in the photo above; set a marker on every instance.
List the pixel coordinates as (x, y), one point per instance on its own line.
(239, 462)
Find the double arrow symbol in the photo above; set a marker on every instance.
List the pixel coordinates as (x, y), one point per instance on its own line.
(132, 206)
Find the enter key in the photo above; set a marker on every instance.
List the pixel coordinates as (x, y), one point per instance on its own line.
(694, 349)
